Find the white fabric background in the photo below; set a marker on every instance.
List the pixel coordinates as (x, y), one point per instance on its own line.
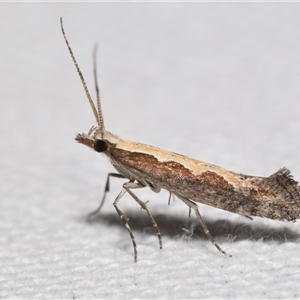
(215, 81)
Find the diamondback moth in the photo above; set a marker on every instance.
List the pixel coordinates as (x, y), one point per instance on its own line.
(275, 197)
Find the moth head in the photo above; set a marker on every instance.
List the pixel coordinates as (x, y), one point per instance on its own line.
(93, 141)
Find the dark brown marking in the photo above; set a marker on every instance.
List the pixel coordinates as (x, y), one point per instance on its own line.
(168, 171)
(218, 181)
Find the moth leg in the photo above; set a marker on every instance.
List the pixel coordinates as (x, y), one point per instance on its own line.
(106, 189)
(194, 206)
(136, 185)
(125, 219)
(171, 195)
(126, 188)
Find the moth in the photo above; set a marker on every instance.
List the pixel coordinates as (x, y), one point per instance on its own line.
(192, 181)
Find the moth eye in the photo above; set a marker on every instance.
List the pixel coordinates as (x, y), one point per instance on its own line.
(100, 146)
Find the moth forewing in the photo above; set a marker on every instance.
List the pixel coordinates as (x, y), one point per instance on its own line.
(210, 184)
(274, 197)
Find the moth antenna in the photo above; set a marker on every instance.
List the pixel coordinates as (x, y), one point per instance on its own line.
(98, 118)
(99, 110)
